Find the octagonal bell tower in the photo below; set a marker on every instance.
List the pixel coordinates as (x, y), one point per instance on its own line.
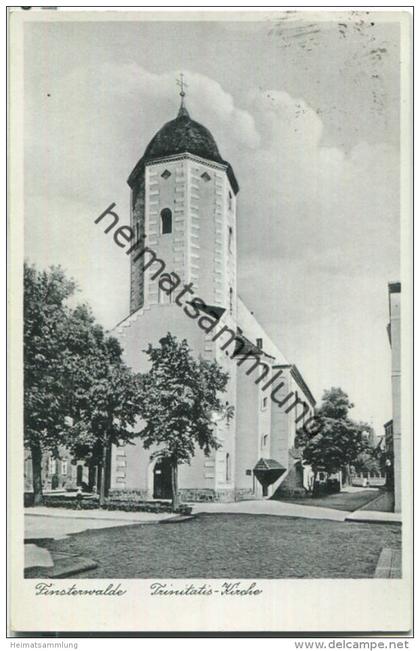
(183, 208)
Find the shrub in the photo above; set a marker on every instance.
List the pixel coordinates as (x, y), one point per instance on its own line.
(184, 509)
(134, 505)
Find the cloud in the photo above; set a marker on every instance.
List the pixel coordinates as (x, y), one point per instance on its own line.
(317, 224)
(311, 199)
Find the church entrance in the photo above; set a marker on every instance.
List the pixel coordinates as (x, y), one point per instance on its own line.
(162, 486)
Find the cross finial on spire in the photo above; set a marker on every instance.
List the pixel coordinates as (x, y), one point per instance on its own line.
(182, 84)
(182, 113)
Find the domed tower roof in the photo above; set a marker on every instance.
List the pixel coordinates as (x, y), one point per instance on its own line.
(179, 136)
(183, 135)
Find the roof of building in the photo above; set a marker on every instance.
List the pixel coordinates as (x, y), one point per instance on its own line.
(268, 464)
(300, 381)
(179, 136)
(252, 330)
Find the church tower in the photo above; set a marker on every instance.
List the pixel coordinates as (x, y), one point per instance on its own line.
(183, 208)
(183, 213)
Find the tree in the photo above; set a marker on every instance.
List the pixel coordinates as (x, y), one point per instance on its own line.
(102, 393)
(78, 392)
(335, 404)
(105, 415)
(339, 440)
(45, 320)
(179, 403)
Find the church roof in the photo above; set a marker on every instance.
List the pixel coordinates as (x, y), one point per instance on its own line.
(252, 330)
(179, 136)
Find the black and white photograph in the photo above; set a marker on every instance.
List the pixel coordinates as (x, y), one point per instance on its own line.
(211, 217)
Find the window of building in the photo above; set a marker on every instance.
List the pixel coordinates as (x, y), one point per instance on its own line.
(228, 472)
(206, 177)
(230, 200)
(259, 343)
(264, 441)
(230, 239)
(64, 467)
(52, 466)
(264, 402)
(165, 221)
(230, 300)
(166, 174)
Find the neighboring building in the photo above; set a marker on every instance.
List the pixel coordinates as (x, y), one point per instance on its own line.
(387, 441)
(387, 448)
(62, 473)
(394, 334)
(184, 206)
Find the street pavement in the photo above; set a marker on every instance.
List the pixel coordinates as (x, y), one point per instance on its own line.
(43, 522)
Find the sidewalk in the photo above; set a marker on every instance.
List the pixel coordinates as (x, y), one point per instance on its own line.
(271, 507)
(95, 514)
(294, 510)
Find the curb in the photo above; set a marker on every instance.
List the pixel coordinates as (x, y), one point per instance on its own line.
(361, 518)
(64, 565)
(389, 564)
(370, 521)
(83, 515)
(178, 518)
(374, 499)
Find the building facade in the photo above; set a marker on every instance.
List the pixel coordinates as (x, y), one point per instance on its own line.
(394, 334)
(61, 473)
(184, 281)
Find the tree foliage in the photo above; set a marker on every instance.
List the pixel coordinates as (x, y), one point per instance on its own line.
(102, 390)
(335, 404)
(339, 440)
(78, 391)
(44, 345)
(179, 398)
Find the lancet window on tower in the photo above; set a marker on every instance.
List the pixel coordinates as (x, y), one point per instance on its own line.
(166, 221)
(227, 467)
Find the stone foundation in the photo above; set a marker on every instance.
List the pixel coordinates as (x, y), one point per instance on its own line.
(244, 494)
(290, 492)
(188, 494)
(225, 495)
(197, 495)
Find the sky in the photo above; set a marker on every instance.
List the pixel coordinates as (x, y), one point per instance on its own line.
(304, 106)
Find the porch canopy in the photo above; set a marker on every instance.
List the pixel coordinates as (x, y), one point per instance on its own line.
(267, 471)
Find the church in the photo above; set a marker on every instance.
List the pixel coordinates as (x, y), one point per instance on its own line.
(184, 207)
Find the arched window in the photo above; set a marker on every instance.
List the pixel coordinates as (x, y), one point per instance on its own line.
(228, 467)
(165, 221)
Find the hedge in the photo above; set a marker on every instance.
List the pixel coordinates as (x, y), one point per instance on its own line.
(87, 503)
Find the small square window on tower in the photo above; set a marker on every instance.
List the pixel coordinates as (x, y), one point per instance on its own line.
(166, 174)
(206, 177)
